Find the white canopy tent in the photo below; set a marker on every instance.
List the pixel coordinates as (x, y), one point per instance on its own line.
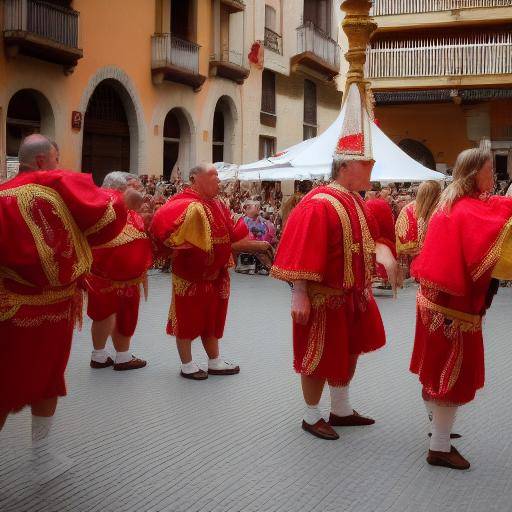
(312, 159)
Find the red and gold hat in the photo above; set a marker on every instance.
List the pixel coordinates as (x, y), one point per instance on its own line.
(355, 141)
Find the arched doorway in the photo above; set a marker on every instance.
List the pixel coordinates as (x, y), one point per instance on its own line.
(419, 152)
(106, 144)
(177, 144)
(28, 112)
(223, 130)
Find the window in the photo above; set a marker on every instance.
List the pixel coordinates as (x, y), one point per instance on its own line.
(310, 122)
(270, 18)
(267, 146)
(318, 12)
(268, 98)
(218, 137)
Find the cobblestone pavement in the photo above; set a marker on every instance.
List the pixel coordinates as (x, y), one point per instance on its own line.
(148, 440)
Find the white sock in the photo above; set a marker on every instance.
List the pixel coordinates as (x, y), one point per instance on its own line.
(442, 424)
(312, 414)
(340, 402)
(41, 426)
(428, 407)
(100, 356)
(189, 367)
(123, 357)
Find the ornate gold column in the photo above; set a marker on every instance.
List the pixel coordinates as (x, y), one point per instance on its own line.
(358, 26)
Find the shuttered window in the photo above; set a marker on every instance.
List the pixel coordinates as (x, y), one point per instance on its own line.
(310, 119)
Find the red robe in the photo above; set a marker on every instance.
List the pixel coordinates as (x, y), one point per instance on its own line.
(463, 250)
(201, 283)
(118, 270)
(329, 241)
(383, 214)
(48, 222)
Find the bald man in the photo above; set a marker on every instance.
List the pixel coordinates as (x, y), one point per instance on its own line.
(197, 230)
(48, 223)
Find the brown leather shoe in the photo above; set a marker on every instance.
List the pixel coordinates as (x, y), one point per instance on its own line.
(134, 364)
(199, 375)
(452, 436)
(321, 429)
(452, 460)
(354, 420)
(227, 371)
(106, 364)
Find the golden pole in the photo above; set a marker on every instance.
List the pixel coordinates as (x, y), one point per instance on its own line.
(359, 27)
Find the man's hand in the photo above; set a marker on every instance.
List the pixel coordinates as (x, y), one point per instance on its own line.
(385, 257)
(301, 305)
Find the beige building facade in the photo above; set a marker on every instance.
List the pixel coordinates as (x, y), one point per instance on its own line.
(441, 73)
(151, 86)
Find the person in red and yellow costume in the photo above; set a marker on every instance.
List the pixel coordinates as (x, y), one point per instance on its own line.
(411, 224)
(383, 214)
(328, 251)
(49, 220)
(118, 272)
(197, 229)
(468, 242)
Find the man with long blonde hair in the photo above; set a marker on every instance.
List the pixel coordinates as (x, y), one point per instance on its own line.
(466, 245)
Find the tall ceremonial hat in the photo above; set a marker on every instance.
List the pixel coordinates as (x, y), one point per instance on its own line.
(355, 140)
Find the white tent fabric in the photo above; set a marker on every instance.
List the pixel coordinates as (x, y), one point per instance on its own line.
(312, 159)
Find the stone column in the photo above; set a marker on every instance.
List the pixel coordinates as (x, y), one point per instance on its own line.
(358, 26)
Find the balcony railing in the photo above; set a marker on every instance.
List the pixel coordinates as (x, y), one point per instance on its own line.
(311, 39)
(487, 54)
(49, 21)
(169, 50)
(392, 7)
(273, 41)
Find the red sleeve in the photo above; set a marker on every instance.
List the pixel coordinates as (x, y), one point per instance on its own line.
(99, 213)
(240, 230)
(303, 251)
(385, 222)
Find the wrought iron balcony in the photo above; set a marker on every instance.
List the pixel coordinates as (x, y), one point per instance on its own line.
(176, 60)
(394, 7)
(485, 54)
(42, 30)
(317, 52)
(273, 41)
(230, 66)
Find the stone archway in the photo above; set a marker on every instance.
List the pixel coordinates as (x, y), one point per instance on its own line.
(28, 111)
(129, 97)
(223, 130)
(177, 147)
(415, 149)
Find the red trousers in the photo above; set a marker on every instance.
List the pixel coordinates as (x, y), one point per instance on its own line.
(342, 325)
(122, 302)
(199, 309)
(35, 346)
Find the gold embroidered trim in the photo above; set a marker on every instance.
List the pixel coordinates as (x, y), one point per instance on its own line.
(402, 223)
(127, 235)
(117, 285)
(11, 302)
(194, 228)
(368, 243)
(108, 217)
(180, 286)
(294, 275)
(494, 252)
(337, 186)
(26, 195)
(348, 242)
(7, 273)
(469, 321)
(316, 341)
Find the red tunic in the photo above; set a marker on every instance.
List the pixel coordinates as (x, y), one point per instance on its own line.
(49, 220)
(383, 214)
(200, 274)
(329, 241)
(118, 270)
(454, 268)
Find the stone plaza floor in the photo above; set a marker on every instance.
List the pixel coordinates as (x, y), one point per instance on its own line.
(148, 440)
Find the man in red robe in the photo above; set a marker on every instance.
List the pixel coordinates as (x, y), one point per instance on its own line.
(468, 243)
(118, 272)
(197, 229)
(381, 210)
(49, 220)
(328, 252)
